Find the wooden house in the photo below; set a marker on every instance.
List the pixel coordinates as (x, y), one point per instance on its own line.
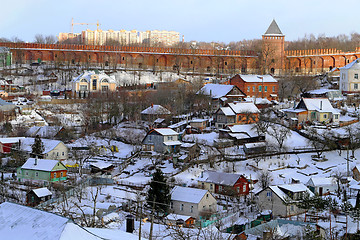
(42, 171)
(224, 183)
(36, 196)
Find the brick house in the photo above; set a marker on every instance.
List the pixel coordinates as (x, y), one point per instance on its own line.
(224, 183)
(259, 86)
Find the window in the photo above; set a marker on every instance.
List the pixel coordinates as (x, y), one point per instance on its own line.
(336, 116)
(220, 188)
(292, 207)
(211, 186)
(207, 196)
(171, 205)
(238, 189)
(36, 174)
(202, 185)
(356, 76)
(170, 138)
(94, 84)
(26, 173)
(355, 86)
(61, 174)
(63, 153)
(248, 89)
(269, 194)
(273, 89)
(253, 88)
(192, 209)
(325, 115)
(57, 154)
(83, 87)
(182, 207)
(104, 88)
(54, 175)
(244, 188)
(260, 88)
(265, 89)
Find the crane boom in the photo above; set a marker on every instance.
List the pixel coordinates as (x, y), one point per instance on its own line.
(72, 24)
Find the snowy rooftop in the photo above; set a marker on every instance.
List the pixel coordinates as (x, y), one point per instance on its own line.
(250, 129)
(49, 144)
(156, 109)
(257, 100)
(185, 194)
(319, 104)
(227, 179)
(41, 165)
(87, 76)
(354, 65)
(216, 90)
(294, 187)
(165, 131)
(42, 192)
(44, 131)
(258, 78)
(321, 181)
(227, 111)
(18, 222)
(11, 139)
(244, 107)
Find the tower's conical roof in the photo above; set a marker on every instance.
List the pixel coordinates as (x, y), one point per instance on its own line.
(273, 29)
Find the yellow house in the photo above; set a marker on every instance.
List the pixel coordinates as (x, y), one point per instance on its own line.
(93, 81)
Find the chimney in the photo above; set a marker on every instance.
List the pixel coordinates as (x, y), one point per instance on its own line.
(152, 105)
(130, 223)
(36, 159)
(320, 105)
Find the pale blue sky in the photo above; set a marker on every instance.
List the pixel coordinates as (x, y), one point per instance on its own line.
(201, 20)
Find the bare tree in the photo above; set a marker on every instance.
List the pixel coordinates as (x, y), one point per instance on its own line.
(280, 134)
(264, 178)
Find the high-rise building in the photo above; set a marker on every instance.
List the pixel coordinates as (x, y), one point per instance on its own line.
(124, 37)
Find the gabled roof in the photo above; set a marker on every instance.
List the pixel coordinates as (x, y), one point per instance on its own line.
(244, 107)
(321, 181)
(273, 29)
(221, 178)
(42, 192)
(41, 165)
(43, 131)
(258, 78)
(216, 90)
(20, 222)
(299, 187)
(185, 194)
(318, 104)
(165, 131)
(156, 109)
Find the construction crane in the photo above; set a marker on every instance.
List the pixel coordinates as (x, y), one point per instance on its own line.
(72, 24)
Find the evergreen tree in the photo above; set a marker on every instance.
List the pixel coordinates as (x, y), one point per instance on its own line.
(158, 197)
(37, 148)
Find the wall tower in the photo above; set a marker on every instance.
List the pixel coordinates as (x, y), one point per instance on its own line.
(273, 52)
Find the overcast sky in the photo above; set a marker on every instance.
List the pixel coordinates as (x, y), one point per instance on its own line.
(201, 20)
